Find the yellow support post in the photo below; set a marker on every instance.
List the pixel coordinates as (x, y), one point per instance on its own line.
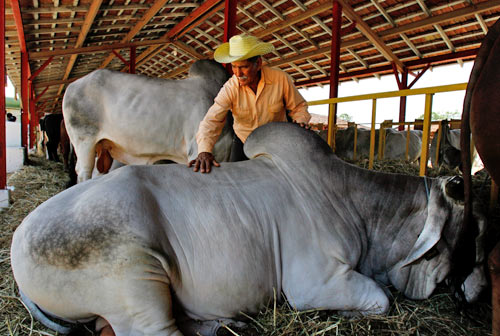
(355, 141)
(424, 157)
(372, 134)
(331, 124)
(438, 144)
(407, 153)
(381, 140)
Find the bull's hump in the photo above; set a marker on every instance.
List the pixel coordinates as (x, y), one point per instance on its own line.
(287, 141)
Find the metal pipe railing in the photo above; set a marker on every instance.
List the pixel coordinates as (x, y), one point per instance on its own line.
(428, 92)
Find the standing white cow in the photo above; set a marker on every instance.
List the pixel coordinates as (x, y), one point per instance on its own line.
(449, 155)
(141, 120)
(395, 144)
(144, 240)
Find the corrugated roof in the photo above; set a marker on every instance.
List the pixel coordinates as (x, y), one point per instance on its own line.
(375, 34)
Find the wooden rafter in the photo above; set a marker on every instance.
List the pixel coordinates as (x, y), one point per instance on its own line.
(155, 8)
(89, 19)
(208, 6)
(371, 35)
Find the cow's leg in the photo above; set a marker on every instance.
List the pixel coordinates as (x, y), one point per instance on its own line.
(137, 298)
(51, 151)
(348, 292)
(494, 265)
(85, 153)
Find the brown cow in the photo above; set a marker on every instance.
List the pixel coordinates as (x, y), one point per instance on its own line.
(481, 117)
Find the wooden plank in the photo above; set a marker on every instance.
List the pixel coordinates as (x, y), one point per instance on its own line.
(93, 49)
(376, 40)
(155, 8)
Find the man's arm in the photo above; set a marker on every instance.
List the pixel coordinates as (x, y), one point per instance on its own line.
(295, 103)
(209, 131)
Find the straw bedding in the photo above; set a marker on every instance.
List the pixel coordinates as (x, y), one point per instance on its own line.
(438, 315)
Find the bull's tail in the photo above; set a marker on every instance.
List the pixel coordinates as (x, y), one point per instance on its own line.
(40, 316)
(463, 256)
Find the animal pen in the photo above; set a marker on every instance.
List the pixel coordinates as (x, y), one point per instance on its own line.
(49, 44)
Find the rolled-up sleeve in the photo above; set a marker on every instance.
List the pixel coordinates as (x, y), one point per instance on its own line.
(295, 103)
(212, 124)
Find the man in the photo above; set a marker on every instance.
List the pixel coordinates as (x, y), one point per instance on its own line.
(255, 94)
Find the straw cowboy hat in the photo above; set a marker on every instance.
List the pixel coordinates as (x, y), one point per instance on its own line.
(241, 47)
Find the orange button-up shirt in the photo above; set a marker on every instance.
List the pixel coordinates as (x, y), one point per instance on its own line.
(276, 94)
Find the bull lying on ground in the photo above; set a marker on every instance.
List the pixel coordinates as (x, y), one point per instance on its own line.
(140, 120)
(294, 219)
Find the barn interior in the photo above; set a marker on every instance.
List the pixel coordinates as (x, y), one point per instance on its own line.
(50, 43)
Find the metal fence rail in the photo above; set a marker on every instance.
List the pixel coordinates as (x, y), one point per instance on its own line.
(428, 92)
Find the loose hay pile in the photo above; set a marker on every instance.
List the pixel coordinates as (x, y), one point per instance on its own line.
(436, 316)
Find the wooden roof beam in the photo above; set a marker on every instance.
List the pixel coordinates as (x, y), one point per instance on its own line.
(445, 37)
(484, 6)
(94, 49)
(383, 12)
(370, 34)
(411, 45)
(16, 12)
(388, 68)
(89, 19)
(56, 82)
(483, 25)
(438, 19)
(288, 22)
(152, 11)
(208, 7)
(298, 18)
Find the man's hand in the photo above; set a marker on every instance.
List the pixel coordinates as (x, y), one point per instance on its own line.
(303, 125)
(204, 162)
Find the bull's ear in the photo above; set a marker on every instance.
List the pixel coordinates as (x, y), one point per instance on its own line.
(431, 233)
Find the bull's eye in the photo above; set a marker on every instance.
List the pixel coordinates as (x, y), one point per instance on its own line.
(431, 253)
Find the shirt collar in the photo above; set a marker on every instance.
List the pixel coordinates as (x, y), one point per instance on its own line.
(264, 75)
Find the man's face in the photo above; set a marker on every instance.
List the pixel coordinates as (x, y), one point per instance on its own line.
(246, 71)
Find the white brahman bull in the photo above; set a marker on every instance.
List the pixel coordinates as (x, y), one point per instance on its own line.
(449, 155)
(145, 239)
(141, 120)
(395, 143)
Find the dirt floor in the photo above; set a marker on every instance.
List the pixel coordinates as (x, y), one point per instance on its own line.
(437, 315)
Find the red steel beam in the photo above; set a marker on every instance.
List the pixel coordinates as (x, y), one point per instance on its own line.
(197, 13)
(124, 61)
(33, 117)
(16, 12)
(230, 20)
(470, 53)
(25, 71)
(131, 68)
(335, 62)
(24, 99)
(415, 64)
(37, 98)
(44, 65)
(402, 99)
(3, 143)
